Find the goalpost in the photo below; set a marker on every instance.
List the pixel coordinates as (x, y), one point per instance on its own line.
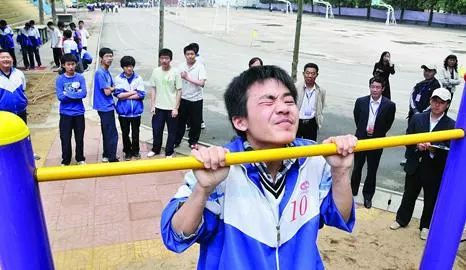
(390, 11)
(328, 8)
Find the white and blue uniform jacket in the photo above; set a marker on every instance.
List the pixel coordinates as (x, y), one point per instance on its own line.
(241, 229)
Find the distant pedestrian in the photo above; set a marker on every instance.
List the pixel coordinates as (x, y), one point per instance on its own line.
(25, 43)
(6, 40)
(70, 46)
(104, 105)
(449, 74)
(70, 90)
(84, 35)
(255, 62)
(36, 42)
(165, 102)
(200, 60)
(56, 43)
(76, 36)
(129, 89)
(383, 69)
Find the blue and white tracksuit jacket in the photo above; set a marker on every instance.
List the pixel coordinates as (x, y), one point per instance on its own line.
(129, 107)
(12, 92)
(34, 37)
(6, 38)
(23, 38)
(242, 230)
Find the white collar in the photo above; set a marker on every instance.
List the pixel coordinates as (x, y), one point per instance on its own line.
(376, 101)
(437, 119)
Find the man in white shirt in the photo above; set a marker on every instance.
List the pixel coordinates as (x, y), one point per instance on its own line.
(56, 43)
(311, 102)
(373, 116)
(84, 34)
(194, 77)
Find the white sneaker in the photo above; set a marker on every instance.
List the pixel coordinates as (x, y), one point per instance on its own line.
(203, 125)
(82, 162)
(151, 154)
(170, 156)
(424, 233)
(395, 226)
(105, 159)
(36, 157)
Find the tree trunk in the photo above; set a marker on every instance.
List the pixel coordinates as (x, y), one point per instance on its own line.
(297, 37)
(161, 18)
(41, 11)
(54, 11)
(431, 15)
(312, 6)
(369, 10)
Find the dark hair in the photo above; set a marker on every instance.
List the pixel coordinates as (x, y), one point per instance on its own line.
(61, 24)
(382, 56)
(50, 23)
(190, 47)
(311, 65)
(5, 51)
(127, 61)
(166, 52)
(236, 95)
(253, 60)
(451, 56)
(3, 22)
(68, 57)
(32, 22)
(104, 51)
(72, 25)
(67, 33)
(377, 79)
(195, 47)
(27, 25)
(81, 21)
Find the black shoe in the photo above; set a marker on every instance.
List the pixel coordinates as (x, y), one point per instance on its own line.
(127, 157)
(367, 203)
(137, 156)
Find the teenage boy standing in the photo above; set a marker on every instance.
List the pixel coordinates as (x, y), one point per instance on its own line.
(165, 101)
(194, 78)
(104, 105)
(129, 89)
(71, 89)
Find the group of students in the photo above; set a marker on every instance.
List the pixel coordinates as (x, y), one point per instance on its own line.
(176, 99)
(62, 40)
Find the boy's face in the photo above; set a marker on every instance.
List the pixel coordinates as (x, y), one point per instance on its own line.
(81, 25)
(128, 70)
(164, 61)
(70, 67)
(107, 59)
(190, 57)
(272, 119)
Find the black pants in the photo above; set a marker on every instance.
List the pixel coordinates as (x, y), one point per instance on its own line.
(13, 55)
(307, 129)
(68, 124)
(57, 54)
(109, 135)
(190, 111)
(373, 160)
(24, 52)
(33, 52)
(159, 119)
(130, 146)
(427, 178)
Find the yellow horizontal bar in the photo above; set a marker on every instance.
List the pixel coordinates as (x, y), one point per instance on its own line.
(183, 163)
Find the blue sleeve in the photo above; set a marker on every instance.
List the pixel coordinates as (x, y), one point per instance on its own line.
(101, 81)
(208, 227)
(60, 91)
(141, 94)
(329, 213)
(118, 91)
(82, 82)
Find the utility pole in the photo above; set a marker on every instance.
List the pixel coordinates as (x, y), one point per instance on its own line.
(161, 15)
(41, 12)
(54, 11)
(297, 37)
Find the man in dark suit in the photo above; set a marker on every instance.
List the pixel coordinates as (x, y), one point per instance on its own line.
(373, 115)
(425, 162)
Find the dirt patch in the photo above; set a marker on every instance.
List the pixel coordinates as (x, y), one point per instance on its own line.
(40, 91)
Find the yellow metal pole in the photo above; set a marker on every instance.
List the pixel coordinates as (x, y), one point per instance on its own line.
(183, 163)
